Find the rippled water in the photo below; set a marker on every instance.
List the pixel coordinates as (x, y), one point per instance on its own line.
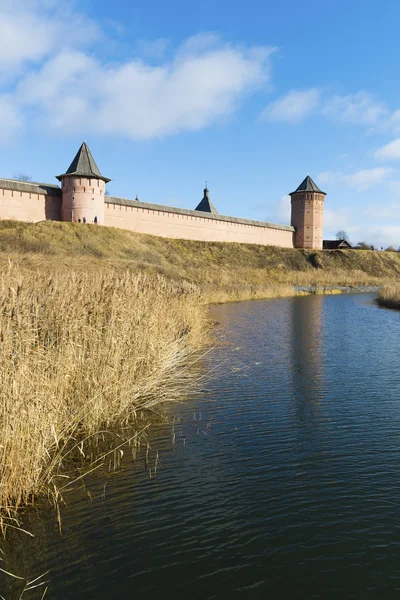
(284, 480)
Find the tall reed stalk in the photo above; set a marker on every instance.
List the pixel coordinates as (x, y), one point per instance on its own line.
(80, 352)
(389, 296)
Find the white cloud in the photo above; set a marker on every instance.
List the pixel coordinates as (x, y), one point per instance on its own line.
(75, 92)
(394, 188)
(380, 235)
(383, 211)
(390, 151)
(366, 178)
(33, 29)
(386, 210)
(360, 108)
(283, 209)
(278, 212)
(61, 86)
(357, 109)
(10, 119)
(52, 80)
(336, 220)
(293, 107)
(153, 48)
(394, 121)
(360, 180)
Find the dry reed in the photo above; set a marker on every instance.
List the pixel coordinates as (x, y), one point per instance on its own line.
(389, 296)
(79, 353)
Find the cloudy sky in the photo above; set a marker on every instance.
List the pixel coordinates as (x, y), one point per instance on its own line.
(250, 96)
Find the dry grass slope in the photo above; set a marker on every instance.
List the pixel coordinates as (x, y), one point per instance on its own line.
(223, 271)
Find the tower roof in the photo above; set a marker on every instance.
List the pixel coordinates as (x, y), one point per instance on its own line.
(84, 165)
(308, 185)
(205, 205)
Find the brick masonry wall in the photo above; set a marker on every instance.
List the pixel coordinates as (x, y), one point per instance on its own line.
(29, 206)
(183, 226)
(307, 218)
(33, 206)
(83, 198)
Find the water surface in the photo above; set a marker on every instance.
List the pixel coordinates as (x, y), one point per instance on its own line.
(283, 482)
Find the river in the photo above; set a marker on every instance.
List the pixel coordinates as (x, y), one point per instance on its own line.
(280, 480)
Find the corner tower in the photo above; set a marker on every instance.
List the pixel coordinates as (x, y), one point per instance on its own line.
(308, 215)
(82, 189)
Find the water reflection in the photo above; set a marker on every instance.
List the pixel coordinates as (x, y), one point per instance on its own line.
(292, 492)
(307, 357)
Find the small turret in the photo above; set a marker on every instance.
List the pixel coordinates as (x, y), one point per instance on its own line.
(308, 214)
(83, 189)
(205, 205)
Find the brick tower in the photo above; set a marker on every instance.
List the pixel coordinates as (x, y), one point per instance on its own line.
(308, 215)
(83, 189)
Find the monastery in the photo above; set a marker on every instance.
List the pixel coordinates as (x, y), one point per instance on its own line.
(80, 198)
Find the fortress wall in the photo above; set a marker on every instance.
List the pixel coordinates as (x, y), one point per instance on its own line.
(29, 206)
(32, 202)
(203, 227)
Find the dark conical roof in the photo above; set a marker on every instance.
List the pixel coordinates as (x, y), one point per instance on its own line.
(84, 165)
(205, 205)
(308, 185)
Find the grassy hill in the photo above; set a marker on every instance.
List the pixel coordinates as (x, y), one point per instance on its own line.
(224, 271)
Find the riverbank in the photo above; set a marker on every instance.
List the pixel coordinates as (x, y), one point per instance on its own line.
(221, 271)
(97, 325)
(389, 296)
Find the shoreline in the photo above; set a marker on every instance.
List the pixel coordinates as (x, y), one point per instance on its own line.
(284, 291)
(339, 289)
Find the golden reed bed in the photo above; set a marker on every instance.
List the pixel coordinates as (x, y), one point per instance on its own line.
(79, 353)
(389, 296)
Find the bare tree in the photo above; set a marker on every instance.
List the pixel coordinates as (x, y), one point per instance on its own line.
(342, 235)
(22, 177)
(363, 246)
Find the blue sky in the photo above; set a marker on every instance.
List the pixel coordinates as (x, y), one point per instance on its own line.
(250, 96)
